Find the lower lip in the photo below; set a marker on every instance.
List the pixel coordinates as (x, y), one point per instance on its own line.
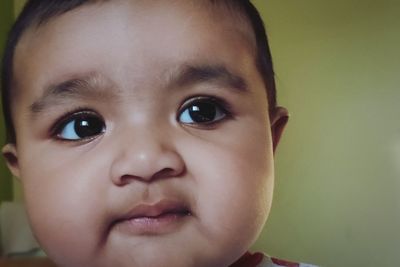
(163, 224)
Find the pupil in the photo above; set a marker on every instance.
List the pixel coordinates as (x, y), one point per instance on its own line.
(203, 112)
(85, 127)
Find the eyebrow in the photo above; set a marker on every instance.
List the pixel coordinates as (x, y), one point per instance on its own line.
(94, 85)
(78, 87)
(190, 75)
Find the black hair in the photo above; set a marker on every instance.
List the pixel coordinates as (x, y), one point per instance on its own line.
(37, 12)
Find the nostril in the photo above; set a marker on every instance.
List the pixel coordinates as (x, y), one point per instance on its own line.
(167, 173)
(162, 174)
(126, 179)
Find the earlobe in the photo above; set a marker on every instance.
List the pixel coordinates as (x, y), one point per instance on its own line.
(279, 119)
(10, 154)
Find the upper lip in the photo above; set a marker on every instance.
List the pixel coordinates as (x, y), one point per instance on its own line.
(156, 209)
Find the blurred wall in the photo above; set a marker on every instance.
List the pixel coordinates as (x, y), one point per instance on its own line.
(337, 191)
(18, 5)
(6, 19)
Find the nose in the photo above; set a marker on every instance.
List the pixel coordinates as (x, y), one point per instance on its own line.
(145, 157)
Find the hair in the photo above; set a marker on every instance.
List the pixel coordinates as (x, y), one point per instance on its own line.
(38, 12)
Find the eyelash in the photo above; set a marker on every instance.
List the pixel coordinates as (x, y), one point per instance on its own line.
(68, 117)
(219, 104)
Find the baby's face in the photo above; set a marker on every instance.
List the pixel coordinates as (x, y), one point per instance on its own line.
(143, 137)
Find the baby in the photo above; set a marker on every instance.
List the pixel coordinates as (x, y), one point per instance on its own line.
(143, 131)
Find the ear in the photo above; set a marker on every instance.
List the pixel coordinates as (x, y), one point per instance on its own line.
(279, 118)
(10, 154)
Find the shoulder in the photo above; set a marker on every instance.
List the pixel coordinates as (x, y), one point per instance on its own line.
(258, 259)
(274, 262)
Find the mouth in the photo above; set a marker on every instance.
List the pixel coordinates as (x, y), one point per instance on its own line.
(162, 217)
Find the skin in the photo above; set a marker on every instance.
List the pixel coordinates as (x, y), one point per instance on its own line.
(75, 190)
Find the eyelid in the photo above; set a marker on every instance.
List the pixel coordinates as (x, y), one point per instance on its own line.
(67, 117)
(222, 103)
(217, 100)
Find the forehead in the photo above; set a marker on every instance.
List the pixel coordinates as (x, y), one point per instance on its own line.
(130, 37)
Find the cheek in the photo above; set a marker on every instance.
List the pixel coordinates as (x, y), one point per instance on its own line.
(61, 204)
(234, 183)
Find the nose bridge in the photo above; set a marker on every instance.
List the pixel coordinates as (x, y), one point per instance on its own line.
(145, 152)
(143, 143)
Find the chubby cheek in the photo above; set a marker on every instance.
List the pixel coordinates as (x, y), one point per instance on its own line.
(62, 207)
(234, 184)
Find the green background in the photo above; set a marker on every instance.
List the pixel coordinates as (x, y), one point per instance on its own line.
(337, 200)
(6, 20)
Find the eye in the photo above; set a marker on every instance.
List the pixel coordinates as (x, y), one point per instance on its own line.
(203, 111)
(80, 126)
